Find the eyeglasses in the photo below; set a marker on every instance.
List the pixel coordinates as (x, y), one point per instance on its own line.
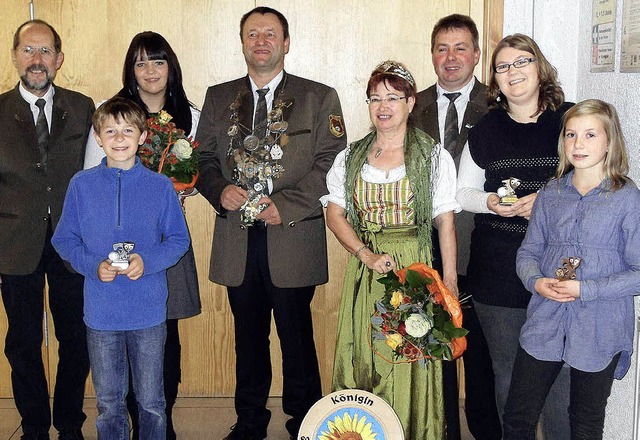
(391, 100)
(518, 64)
(30, 52)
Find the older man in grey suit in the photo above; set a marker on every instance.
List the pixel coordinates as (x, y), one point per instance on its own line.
(46, 129)
(267, 141)
(446, 111)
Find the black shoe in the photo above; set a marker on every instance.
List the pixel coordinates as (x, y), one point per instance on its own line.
(70, 434)
(241, 432)
(35, 436)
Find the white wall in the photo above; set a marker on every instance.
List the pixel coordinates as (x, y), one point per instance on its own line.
(562, 29)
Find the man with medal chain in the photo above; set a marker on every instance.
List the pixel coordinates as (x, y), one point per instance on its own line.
(270, 252)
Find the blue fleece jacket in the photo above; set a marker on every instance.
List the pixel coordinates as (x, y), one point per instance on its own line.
(104, 206)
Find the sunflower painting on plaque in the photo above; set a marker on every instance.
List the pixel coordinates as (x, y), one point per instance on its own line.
(351, 414)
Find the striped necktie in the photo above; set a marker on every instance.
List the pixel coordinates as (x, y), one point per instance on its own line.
(451, 131)
(42, 132)
(260, 116)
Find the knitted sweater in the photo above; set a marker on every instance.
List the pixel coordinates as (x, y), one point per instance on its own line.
(504, 148)
(104, 206)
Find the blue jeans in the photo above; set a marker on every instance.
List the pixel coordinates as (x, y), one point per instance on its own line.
(501, 327)
(110, 353)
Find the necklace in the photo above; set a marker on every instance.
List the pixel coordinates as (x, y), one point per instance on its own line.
(379, 149)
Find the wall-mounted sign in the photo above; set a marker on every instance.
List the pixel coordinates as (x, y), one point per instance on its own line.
(603, 36)
(630, 51)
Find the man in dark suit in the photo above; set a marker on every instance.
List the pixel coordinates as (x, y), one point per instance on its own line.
(267, 141)
(46, 131)
(446, 111)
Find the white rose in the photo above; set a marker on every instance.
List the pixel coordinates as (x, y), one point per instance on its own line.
(182, 149)
(416, 325)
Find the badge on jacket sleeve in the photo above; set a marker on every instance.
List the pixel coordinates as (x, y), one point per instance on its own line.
(336, 125)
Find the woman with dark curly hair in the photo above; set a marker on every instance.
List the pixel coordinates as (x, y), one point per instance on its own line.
(514, 143)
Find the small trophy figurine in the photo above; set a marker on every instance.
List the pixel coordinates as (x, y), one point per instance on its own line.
(567, 271)
(507, 193)
(120, 255)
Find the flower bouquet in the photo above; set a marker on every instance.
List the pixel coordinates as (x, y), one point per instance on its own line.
(169, 151)
(418, 317)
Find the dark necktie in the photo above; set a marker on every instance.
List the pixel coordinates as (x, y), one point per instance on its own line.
(260, 116)
(451, 132)
(42, 131)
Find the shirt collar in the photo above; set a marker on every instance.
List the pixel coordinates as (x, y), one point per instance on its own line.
(271, 84)
(31, 98)
(464, 91)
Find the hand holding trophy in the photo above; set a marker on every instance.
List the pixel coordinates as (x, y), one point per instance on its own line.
(120, 255)
(507, 193)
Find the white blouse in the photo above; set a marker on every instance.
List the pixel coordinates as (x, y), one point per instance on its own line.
(444, 183)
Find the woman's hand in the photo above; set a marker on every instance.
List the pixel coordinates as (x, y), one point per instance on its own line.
(381, 263)
(548, 288)
(568, 287)
(493, 203)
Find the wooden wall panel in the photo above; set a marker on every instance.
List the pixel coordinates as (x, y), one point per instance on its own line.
(335, 42)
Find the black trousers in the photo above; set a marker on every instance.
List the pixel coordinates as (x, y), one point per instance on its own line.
(252, 304)
(23, 298)
(530, 383)
(480, 400)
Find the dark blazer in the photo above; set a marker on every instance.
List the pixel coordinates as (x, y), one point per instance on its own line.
(26, 189)
(425, 117)
(297, 248)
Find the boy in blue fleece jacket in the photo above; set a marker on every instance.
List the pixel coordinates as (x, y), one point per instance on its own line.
(124, 308)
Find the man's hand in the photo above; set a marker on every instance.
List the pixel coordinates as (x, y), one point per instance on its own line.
(270, 215)
(106, 272)
(135, 269)
(233, 197)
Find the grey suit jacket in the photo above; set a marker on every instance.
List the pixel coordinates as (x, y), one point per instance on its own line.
(26, 189)
(297, 248)
(425, 117)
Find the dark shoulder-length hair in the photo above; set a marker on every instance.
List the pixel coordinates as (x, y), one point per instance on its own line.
(156, 47)
(550, 95)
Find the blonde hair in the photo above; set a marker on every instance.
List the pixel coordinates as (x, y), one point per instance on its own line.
(550, 93)
(616, 162)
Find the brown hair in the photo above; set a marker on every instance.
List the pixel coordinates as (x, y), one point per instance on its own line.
(550, 95)
(456, 21)
(616, 162)
(57, 41)
(386, 75)
(266, 10)
(120, 109)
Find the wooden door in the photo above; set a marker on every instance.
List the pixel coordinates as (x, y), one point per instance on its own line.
(337, 42)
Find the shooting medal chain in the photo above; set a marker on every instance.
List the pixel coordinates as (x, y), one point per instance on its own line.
(257, 159)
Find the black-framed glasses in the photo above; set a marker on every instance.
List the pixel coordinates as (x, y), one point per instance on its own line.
(30, 51)
(391, 100)
(518, 64)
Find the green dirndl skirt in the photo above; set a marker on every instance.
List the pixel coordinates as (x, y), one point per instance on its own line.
(414, 392)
